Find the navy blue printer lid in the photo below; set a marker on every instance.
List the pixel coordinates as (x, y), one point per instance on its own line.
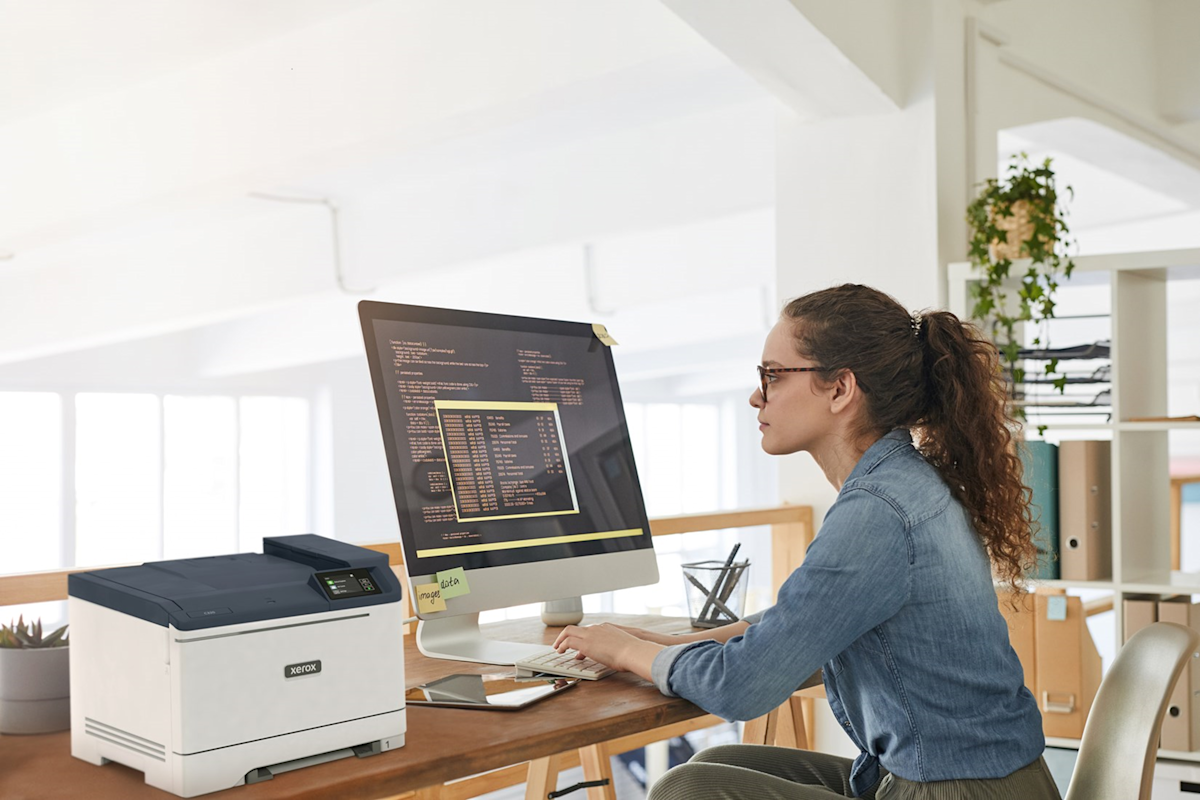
(280, 582)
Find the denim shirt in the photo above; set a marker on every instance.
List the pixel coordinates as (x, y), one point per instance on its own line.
(895, 601)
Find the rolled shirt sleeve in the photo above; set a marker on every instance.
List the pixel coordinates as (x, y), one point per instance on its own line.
(855, 576)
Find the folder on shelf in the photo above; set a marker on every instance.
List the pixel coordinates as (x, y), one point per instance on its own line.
(1040, 460)
(1181, 724)
(1085, 510)
(1140, 610)
(1067, 665)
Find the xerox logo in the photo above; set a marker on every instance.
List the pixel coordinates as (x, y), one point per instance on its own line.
(306, 668)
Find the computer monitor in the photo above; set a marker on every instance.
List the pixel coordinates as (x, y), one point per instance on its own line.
(510, 458)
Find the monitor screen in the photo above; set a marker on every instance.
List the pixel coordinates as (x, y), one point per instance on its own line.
(505, 437)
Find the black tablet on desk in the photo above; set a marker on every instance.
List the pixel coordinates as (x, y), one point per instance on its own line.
(495, 692)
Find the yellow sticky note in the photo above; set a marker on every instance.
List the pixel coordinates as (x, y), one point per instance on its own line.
(602, 334)
(429, 598)
(453, 582)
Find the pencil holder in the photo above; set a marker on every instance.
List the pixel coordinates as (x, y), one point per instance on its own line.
(716, 594)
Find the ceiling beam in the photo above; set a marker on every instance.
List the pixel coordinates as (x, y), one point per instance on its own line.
(777, 44)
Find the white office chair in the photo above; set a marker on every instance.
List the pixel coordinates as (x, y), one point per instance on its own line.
(1120, 740)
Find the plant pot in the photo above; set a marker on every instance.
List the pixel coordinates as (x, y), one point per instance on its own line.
(1019, 229)
(35, 688)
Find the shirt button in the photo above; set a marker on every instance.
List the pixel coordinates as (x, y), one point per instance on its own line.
(846, 724)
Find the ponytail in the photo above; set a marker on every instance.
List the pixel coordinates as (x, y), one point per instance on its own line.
(966, 433)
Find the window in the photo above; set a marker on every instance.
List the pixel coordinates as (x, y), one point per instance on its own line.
(30, 481)
(274, 455)
(147, 477)
(200, 476)
(118, 479)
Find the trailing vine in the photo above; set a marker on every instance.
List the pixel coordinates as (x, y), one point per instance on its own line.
(1024, 203)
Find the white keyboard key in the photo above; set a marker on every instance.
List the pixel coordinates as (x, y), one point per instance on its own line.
(565, 664)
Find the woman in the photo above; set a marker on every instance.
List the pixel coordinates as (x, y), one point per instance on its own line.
(895, 599)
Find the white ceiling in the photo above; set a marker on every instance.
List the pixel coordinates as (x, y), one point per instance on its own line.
(60, 52)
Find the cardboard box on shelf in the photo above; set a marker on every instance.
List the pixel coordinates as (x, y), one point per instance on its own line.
(1066, 664)
(1020, 632)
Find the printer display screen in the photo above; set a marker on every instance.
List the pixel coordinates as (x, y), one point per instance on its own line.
(347, 583)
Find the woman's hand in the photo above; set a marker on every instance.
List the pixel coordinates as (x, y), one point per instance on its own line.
(611, 645)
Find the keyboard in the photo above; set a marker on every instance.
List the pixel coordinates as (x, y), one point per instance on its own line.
(552, 662)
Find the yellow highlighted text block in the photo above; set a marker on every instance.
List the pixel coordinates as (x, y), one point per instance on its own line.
(485, 405)
(480, 548)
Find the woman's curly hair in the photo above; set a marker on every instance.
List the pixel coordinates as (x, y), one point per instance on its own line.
(939, 377)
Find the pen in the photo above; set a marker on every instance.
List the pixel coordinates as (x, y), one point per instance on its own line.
(731, 582)
(720, 605)
(708, 601)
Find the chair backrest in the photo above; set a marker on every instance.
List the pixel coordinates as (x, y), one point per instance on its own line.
(1120, 740)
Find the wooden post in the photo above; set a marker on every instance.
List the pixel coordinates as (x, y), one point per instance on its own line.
(790, 725)
(542, 778)
(761, 730)
(597, 766)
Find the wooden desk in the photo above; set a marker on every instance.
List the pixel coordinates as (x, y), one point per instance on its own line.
(442, 744)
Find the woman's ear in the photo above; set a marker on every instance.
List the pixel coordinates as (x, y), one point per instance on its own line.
(845, 392)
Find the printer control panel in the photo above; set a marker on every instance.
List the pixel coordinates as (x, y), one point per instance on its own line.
(344, 583)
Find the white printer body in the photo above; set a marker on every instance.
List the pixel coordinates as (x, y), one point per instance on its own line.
(212, 672)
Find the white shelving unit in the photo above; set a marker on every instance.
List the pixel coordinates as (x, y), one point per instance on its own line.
(1139, 284)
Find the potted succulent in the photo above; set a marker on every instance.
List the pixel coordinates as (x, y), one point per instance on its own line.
(34, 679)
(1016, 217)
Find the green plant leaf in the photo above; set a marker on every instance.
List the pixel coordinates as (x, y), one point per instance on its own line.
(22, 635)
(53, 639)
(1047, 249)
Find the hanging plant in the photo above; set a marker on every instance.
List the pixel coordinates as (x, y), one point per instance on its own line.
(1019, 217)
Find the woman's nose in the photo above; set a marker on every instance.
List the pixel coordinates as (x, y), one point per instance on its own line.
(756, 398)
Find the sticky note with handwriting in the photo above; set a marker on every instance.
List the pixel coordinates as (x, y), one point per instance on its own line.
(429, 598)
(602, 334)
(453, 582)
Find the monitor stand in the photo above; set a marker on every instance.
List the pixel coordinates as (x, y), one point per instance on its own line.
(459, 639)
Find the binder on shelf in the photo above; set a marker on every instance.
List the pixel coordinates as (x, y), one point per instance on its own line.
(1066, 665)
(1085, 510)
(1040, 460)
(1181, 724)
(1140, 611)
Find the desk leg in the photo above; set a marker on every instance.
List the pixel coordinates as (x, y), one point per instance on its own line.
(761, 730)
(802, 720)
(791, 731)
(542, 779)
(786, 726)
(597, 766)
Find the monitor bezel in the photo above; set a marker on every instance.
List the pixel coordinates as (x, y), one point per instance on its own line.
(631, 565)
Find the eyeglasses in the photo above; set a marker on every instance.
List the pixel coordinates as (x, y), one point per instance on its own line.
(770, 372)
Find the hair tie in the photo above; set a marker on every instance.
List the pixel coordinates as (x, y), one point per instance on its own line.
(915, 320)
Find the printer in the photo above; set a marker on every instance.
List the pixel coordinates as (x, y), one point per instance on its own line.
(208, 673)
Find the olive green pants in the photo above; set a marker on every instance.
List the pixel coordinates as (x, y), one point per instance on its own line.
(761, 772)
